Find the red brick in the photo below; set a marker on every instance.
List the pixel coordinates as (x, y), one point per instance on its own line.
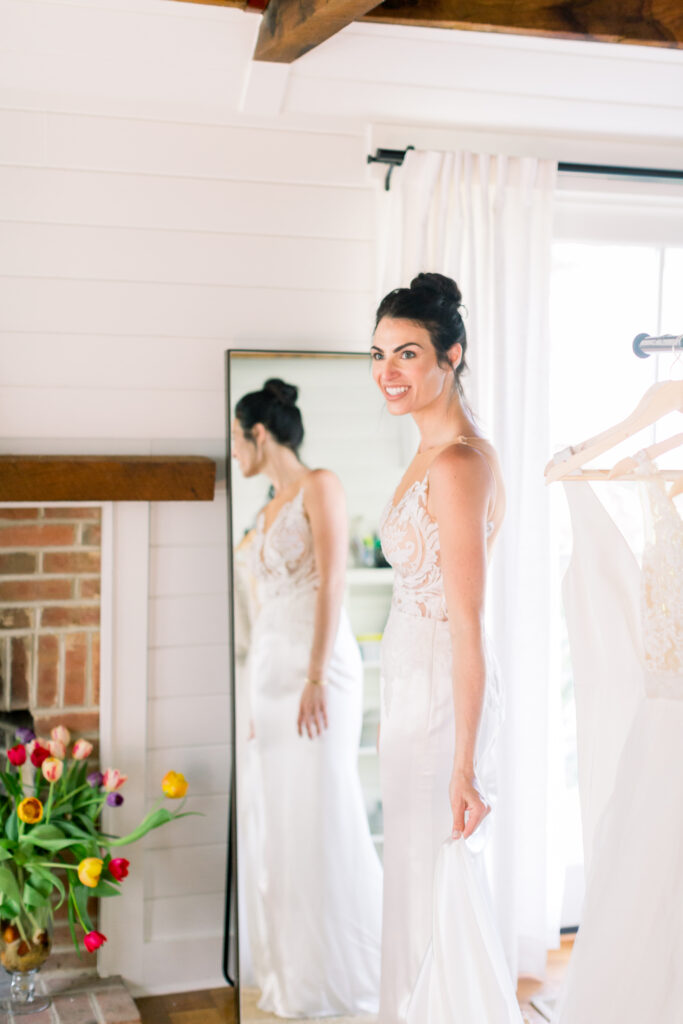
(88, 588)
(71, 615)
(37, 536)
(36, 590)
(17, 563)
(116, 1006)
(75, 669)
(16, 618)
(48, 667)
(80, 723)
(71, 513)
(95, 667)
(18, 513)
(91, 536)
(71, 561)
(74, 1009)
(20, 672)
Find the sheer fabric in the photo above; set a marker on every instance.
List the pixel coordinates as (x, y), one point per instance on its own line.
(320, 878)
(442, 960)
(627, 648)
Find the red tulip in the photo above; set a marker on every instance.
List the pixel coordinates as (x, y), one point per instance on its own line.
(93, 941)
(17, 755)
(118, 867)
(38, 755)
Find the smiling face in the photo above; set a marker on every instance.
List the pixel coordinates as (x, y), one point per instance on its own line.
(245, 450)
(405, 365)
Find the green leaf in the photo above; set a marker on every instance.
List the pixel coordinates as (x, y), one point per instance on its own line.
(103, 889)
(81, 895)
(72, 924)
(8, 885)
(9, 908)
(48, 879)
(48, 837)
(12, 827)
(5, 854)
(33, 898)
(153, 820)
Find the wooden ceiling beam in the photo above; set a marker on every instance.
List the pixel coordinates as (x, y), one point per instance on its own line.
(644, 22)
(291, 28)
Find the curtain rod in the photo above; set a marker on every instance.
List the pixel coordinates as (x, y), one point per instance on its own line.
(644, 345)
(395, 157)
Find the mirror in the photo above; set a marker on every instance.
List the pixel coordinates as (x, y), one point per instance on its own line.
(307, 815)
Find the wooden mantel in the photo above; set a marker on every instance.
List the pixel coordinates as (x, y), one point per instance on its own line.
(106, 478)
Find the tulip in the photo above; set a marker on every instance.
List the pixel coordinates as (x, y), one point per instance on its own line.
(39, 754)
(174, 785)
(30, 810)
(25, 735)
(52, 769)
(95, 779)
(118, 867)
(60, 734)
(113, 779)
(57, 749)
(81, 750)
(93, 941)
(17, 755)
(89, 871)
(114, 799)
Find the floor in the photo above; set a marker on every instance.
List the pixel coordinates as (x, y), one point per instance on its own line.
(217, 1006)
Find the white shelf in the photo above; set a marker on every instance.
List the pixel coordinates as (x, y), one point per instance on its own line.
(366, 577)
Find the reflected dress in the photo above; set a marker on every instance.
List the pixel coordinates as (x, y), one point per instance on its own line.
(442, 959)
(320, 878)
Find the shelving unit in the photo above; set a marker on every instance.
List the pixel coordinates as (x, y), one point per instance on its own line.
(368, 598)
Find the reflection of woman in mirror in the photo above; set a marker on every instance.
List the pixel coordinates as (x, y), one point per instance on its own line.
(320, 877)
(442, 960)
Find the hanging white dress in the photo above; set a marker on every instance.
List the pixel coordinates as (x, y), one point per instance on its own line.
(442, 958)
(626, 636)
(321, 879)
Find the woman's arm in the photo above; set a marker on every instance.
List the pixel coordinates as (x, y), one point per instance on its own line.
(325, 506)
(460, 488)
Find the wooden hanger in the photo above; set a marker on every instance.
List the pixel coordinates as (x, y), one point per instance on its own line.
(658, 400)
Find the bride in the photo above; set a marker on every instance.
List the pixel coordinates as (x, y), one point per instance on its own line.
(442, 960)
(317, 871)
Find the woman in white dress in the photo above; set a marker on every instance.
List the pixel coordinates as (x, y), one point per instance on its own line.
(442, 960)
(319, 876)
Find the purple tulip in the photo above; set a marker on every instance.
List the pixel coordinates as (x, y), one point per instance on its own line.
(25, 735)
(114, 799)
(95, 779)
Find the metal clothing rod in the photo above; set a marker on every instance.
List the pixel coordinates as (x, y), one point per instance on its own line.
(644, 345)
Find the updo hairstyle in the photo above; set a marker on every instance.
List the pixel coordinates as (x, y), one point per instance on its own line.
(275, 407)
(433, 301)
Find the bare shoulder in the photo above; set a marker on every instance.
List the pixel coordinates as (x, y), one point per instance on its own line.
(457, 466)
(322, 485)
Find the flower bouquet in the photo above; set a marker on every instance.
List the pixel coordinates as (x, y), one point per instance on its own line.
(53, 849)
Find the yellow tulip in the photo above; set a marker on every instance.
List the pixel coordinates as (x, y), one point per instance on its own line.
(89, 871)
(30, 810)
(174, 785)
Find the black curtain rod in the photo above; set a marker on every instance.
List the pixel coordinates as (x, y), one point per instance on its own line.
(395, 157)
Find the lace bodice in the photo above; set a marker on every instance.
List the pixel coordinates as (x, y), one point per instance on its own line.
(410, 542)
(662, 580)
(282, 557)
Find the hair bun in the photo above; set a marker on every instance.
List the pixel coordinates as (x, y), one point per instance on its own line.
(285, 393)
(439, 284)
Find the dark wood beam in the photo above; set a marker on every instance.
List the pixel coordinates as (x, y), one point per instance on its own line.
(291, 28)
(106, 478)
(646, 22)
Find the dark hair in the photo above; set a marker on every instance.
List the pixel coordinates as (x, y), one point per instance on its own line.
(433, 301)
(275, 407)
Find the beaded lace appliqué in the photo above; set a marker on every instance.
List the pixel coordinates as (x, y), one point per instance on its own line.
(283, 560)
(662, 583)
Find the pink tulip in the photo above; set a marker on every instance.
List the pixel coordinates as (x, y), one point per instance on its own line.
(60, 734)
(17, 755)
(93, 941)
(57, 749)
(113, 779)
(52, 769)
(81, 750)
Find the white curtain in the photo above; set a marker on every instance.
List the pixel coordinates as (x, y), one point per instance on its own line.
(487, 221)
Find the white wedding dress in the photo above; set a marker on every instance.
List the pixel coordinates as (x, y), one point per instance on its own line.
(442, 959)
(320, 877)
(626, 635)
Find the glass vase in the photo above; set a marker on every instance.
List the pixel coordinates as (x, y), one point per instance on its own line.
(25, 945)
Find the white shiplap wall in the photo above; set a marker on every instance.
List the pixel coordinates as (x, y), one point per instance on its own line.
(161, 201)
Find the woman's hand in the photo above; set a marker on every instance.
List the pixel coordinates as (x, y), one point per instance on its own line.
(312, 710)
(466, 798)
